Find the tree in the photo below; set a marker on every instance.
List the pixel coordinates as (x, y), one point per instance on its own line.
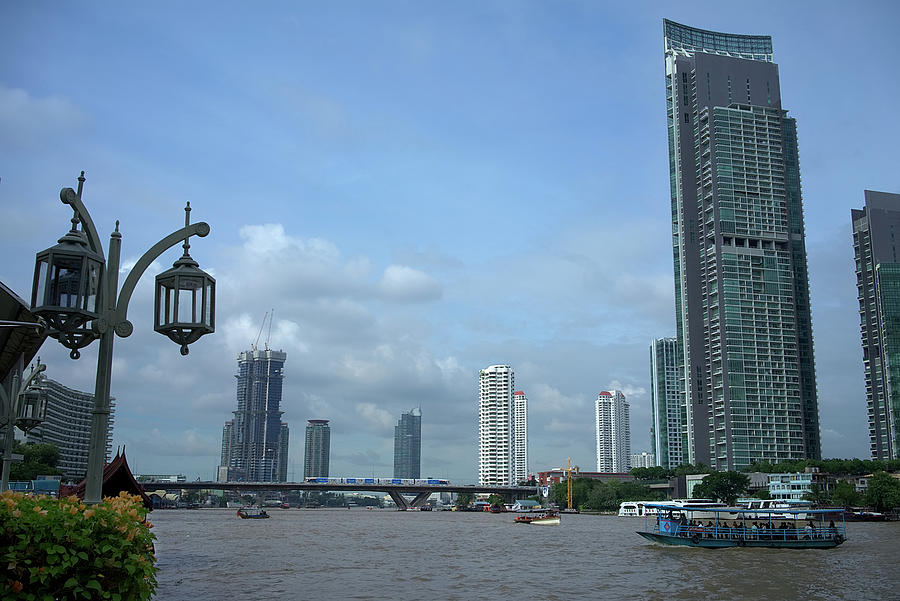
(464, 499)
(39, 460)
(495, 500)
(817, 494)
(884, 492)
(686, 469)
(724, 486)
(650, 473)
(845, 495)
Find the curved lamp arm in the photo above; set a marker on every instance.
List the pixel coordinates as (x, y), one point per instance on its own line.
(200, 229)
(70, 197)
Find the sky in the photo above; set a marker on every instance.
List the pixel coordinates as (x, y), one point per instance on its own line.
(414, 191)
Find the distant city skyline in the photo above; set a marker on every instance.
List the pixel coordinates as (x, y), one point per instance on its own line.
(420, 191)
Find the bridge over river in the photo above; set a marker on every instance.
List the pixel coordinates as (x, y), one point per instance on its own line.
(419, 492)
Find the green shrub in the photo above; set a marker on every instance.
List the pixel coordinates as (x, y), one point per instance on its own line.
(63, 549)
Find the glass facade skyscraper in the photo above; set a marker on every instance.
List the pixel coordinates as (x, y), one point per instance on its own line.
(876, 228)
(252, 445)
(666, 409)
(318, 449)
(744, 333)
(408, 445)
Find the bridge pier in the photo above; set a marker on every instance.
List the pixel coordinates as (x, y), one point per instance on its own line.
(399, 500)
(421, 499)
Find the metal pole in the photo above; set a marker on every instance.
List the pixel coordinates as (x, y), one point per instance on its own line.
(93, 491)
(11, 399)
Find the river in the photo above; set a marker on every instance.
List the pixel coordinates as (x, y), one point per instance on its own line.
(336, 554)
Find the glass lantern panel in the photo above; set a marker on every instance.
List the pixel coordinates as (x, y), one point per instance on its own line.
(163, 305)
(65, 282)
(40, 283)
(93, 287)
(208, 299)
(187, 307)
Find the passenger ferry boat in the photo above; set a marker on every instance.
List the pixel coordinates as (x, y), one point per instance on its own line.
(716, 528)
(642, 508)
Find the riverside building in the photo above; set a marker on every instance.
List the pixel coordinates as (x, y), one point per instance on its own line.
(254, 442)
(666, 432)
(520, 437)
(613, 432)
(317, 453)
(67, 425)
(408, 445)
(875, 229)
(743, 324)
(496, 426)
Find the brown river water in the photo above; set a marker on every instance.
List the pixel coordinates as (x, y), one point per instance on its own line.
(326, 554)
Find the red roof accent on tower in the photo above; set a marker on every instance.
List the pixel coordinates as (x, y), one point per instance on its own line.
(519, 393)
(605, 393)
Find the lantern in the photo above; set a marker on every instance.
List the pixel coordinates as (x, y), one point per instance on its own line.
(67, 288)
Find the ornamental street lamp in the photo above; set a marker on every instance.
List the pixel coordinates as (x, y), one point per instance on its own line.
(24, 407)
(77, 295)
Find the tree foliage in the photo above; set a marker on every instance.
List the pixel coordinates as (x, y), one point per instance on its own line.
(848, 467)
(723, 486)
(844, 494)
(39, 460)
(464, 499)
(883, 493)
(595, 495)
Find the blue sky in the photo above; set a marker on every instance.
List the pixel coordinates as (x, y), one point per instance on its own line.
(419, 190)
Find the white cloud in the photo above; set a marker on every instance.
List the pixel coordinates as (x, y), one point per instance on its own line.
(25, 119)
(374, 417)
(407, 284)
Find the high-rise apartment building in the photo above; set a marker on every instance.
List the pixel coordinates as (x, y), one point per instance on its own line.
(252, 445)
(666, 433)
(67, 425)
(318, 449)
(613, 431)
(496, 460)
(643, 459)
(408, 445)
(741, 290)
(876, 228)
(520, 437)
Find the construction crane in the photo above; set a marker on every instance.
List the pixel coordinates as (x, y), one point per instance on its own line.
(255, 345)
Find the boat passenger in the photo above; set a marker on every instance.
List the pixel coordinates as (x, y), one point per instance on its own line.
(809, 530)
(710, 530)
(754, 531)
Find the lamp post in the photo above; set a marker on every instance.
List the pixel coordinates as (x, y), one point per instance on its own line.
(77, 295)
(24, 406)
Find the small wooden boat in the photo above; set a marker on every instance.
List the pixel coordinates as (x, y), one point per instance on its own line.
(248, 513)
(545, 518)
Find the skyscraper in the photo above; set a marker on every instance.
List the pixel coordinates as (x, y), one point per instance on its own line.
(67, 424)
(318, 449)
(875, 230)
(496, 426)
(408, 445)
(613, 431)
(741, 290)
(666, 432)
(520, 437)
(252, 447)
